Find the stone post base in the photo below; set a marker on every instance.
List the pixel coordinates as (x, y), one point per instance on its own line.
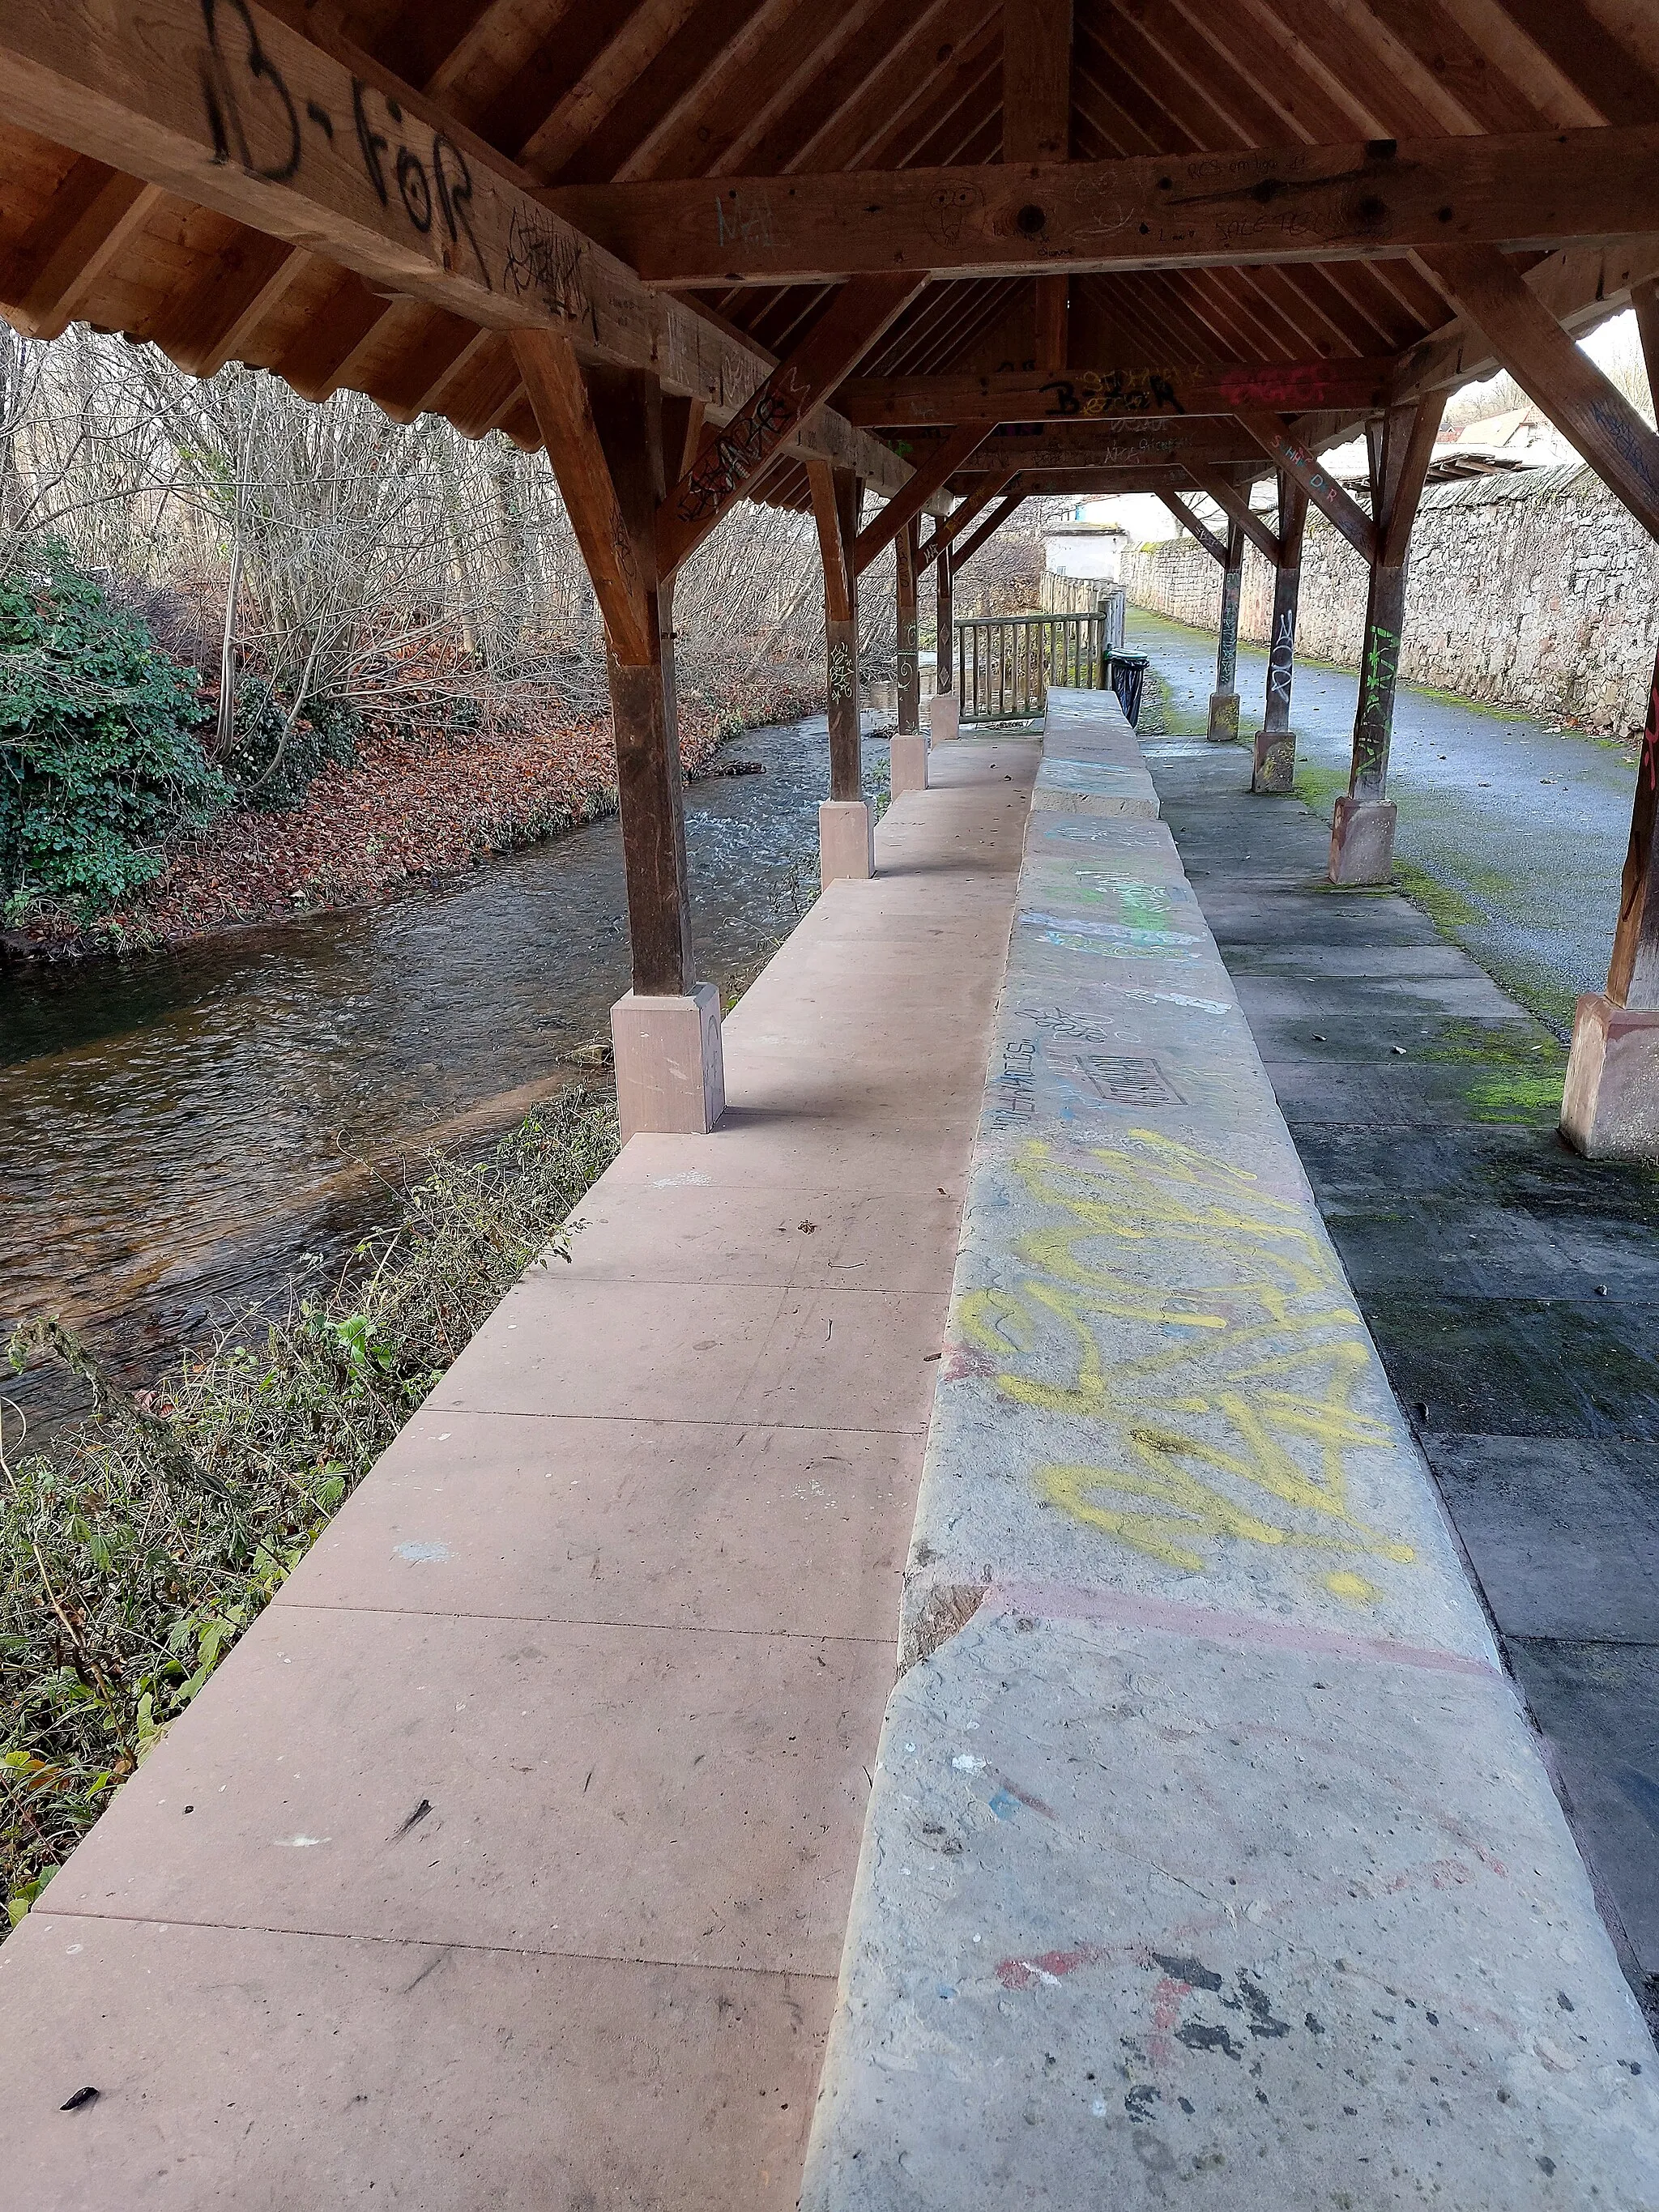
(908, 762)
(1362, 841)
(846, 839)
(944, 716)
(1275, 760)
(1223, 718)
(670, 1075)
(1610, 1110)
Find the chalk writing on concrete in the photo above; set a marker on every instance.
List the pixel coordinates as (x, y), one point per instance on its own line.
(1206, 1334)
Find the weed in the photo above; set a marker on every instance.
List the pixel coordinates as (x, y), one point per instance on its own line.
(137, 1552)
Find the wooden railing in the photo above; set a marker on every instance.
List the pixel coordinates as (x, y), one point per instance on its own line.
(1005, 663)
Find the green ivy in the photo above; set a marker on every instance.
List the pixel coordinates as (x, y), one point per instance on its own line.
(273, 763)
(98, 757)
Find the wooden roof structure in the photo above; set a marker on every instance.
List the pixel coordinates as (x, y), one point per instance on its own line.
(1248, 193)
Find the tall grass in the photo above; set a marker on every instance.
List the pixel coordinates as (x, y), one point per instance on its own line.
(136, 1551)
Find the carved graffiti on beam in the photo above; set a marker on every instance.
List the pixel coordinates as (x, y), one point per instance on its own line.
(1224, 1377)
(747, 221)
(749, 440)
(254, 121)
(546, 262)
(841, 673)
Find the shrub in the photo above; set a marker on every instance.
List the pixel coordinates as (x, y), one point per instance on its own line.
(98, 757)
(272, 760)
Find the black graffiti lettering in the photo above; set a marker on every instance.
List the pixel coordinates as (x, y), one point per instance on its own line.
(224, 109)
(416, 189)
(544, 261)
(455, 198)
(322, 118)
(1066, 399)
(372, 143)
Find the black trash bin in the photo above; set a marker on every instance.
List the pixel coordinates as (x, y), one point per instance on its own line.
(1127, 677)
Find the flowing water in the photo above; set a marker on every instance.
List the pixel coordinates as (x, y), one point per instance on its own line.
(178, 1132)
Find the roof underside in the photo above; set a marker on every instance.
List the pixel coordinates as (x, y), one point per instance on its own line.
(592, 91)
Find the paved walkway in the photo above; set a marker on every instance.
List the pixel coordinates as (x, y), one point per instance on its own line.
(506, 1861)
(1509, 1285)
(1518, 831)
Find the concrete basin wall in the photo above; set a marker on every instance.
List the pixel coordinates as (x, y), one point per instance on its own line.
(1210, 1856)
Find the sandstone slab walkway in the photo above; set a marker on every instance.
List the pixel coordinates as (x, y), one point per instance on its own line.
(507, 1861)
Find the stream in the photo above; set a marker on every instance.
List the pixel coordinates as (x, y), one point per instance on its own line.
(179, 1131)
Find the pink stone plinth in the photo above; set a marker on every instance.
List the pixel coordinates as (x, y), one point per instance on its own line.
(1362, 841)
(944, 716)
(670, 1074)
(1223, 718)
(1275, 760)
(847, 840)
(907, 766)
(1610, 1108)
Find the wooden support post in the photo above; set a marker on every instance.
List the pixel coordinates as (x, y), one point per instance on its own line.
(1610, 1105)
(908, 636)
(603, 433)
(1362, 833)
(1290, 456)
(845, 825)
(1224, 699)
(945, 714)
(1275, 744)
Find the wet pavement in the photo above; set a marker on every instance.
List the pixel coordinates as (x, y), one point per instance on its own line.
(1509, 1284)
(1513, 834)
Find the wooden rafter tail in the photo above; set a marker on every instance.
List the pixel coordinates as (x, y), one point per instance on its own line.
(1286, 204)
(729, 458)
(1207, 537)
(552, 375)
(1288, 453)
(930, 475)
(1236, 505)
(1555, 374)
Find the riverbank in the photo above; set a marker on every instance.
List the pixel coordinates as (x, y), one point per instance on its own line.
(413, 806)
(194, 1500)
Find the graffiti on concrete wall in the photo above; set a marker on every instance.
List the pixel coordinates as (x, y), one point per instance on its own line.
(1208, 1330)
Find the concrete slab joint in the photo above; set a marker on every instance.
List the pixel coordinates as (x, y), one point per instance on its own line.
(907, 761)
(1610, 1105)
(847, 840)
(1362, 840)
(671, 1074)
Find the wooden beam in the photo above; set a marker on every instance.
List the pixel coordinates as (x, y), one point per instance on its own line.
(908, 645)
(1287, 203)
(558, 392)
(932, 470)
(89, 218)
(1099, 445)
(1235, 503)
(730, 457)
(983, 493)
(225, 104)
(1402, 452)
(218, 319)
(1587, 409)
(1036, 128)
(837, 499)
(994, 521)
(1096, 394)
(1183, 514)
(1289, 454)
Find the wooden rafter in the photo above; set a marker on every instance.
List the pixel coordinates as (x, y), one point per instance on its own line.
(1214, 546)
(994, 521)
(931, 473)
(1288, 452)
(1235, 503)
(988, 487)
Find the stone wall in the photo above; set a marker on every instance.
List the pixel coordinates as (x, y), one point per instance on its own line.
(1536, 590)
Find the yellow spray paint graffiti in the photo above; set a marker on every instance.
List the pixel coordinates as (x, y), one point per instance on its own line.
(1228, 1371)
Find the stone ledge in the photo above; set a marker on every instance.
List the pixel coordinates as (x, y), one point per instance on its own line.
(1209, 1846)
